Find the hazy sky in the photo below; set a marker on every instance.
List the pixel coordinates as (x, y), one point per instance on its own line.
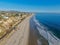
(31, 5)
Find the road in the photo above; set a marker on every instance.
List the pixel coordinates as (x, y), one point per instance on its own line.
(21, 34)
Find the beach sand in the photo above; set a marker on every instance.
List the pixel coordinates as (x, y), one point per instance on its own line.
(24, 34)
(20, 35)
(35, 38)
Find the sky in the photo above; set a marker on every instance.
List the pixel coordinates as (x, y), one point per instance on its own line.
(31, 5)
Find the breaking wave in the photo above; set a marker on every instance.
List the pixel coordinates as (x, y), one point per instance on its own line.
(52, 39)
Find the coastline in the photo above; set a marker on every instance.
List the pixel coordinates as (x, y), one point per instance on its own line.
(20, 36)
(35, 37)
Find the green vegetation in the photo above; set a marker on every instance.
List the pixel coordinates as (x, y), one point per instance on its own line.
(10, 19)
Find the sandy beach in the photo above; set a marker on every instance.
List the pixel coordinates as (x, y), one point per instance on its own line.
(20, 35)
(35, 38)
(24, 34)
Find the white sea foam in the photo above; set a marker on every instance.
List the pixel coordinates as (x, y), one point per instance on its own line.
(52, 39)
(39, 24)
(36, 21)
(39, 42)
(42, 32)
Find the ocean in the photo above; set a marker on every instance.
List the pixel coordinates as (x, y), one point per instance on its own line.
(48, 25)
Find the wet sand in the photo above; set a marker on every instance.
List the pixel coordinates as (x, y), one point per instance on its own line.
(35, 36)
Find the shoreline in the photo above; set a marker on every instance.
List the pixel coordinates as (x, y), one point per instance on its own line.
(22, 30)
(35, 37)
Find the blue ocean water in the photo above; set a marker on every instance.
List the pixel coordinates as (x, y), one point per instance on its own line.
(50, 20)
